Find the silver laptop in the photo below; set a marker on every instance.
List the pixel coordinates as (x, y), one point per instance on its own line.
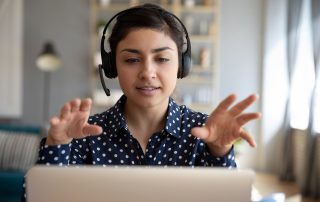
(143, 184)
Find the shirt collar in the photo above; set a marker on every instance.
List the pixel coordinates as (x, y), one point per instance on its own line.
(173, 119)
(116, 114)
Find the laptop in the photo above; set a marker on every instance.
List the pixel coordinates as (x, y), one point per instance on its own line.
(143, 184)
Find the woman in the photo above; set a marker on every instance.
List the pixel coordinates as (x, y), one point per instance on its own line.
(146, 126)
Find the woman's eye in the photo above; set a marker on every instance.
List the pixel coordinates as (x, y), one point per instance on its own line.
(162, 59)
(132, 60)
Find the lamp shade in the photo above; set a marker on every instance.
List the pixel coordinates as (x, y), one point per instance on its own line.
(48, 60)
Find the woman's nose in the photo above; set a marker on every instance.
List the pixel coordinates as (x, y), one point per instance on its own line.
(148, 70)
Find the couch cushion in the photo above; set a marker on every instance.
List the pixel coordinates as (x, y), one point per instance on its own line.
(18, 150)
(11, 185)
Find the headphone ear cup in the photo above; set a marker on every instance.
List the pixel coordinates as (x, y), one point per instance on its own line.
(185, 66)
(108, 65)
(104, 60)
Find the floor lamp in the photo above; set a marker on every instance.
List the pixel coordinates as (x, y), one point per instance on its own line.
(47, 61)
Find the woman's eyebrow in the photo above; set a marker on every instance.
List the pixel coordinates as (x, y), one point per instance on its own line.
(130, 50)
(160, 49)
(156, 50)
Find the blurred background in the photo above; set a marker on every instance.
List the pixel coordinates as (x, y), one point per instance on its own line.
(50, 50)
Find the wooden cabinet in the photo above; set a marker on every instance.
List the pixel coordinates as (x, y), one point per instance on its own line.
(199, 90)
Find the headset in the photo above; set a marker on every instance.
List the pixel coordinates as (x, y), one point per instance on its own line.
(108, 65)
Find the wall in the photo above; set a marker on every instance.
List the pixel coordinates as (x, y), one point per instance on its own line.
(67, 24)
(275, 85)
(241, 47)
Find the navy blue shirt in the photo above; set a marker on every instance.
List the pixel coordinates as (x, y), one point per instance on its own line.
(173, 146)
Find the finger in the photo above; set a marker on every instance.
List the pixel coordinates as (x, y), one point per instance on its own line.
(85, 105)
(54, 121)
(200, 132)
(245, 118)
(238, 108)
(65, 111)
(92, 130)
(226, 103)
(75, 105)
(245, 135)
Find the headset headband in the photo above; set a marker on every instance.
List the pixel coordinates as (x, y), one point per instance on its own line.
(187, 51)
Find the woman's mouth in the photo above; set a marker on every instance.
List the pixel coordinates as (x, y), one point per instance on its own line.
(148, 90)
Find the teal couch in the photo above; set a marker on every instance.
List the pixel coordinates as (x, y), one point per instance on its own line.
(18, 152)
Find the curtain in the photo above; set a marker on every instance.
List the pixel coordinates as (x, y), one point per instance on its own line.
(312, 182)
(293, 18)
(303, 142)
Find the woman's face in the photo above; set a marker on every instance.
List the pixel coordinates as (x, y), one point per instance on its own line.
(147, 66)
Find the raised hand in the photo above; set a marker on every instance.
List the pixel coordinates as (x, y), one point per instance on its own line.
(224, 125)
(72, 123)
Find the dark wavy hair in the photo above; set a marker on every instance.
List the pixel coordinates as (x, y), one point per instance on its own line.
(146, 16)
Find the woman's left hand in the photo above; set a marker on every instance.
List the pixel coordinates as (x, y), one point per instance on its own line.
(224, 125)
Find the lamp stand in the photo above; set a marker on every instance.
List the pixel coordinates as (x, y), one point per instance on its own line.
(46, 97)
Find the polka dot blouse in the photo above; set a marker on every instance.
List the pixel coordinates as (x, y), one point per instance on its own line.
(173, 146)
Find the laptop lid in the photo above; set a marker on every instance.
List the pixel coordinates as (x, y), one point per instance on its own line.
(90, 183)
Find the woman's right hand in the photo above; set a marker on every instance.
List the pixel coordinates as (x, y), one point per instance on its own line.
(72, 123)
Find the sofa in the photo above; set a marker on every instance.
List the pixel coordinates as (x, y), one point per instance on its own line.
(18, 152)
